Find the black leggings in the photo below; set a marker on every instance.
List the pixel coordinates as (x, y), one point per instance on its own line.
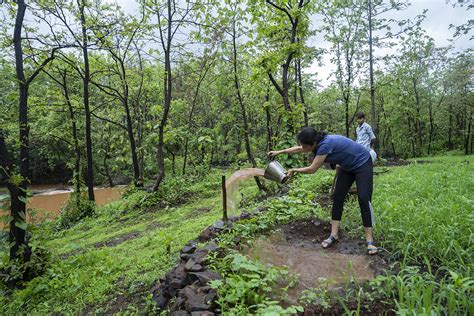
(363, 177)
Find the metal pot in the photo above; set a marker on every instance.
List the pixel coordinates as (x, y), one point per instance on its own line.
(275, 172)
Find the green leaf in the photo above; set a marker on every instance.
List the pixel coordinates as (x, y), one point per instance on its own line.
(21, 225)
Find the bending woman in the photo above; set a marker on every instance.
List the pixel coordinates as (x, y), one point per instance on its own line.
(355, 165)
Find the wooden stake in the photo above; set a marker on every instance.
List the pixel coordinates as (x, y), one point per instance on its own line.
(224, 200)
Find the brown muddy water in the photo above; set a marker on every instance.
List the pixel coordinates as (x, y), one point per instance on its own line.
(232, 185)
(47, 200)
(298, 246)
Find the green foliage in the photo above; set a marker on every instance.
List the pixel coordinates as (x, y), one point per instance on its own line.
(77, 208)
(248, 285)
(14, 272)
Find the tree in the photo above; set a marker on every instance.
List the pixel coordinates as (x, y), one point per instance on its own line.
(376, 12)
(284, 25)
(17, 183)
(170, 18)
(344, 29)
(120, 33)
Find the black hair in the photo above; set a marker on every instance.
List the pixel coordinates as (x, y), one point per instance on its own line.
(360, 115)
(310, 136)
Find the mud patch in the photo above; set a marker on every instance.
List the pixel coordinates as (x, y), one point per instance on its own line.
(297, 245)
(156, 225)
(324, 200)
(114, 241)
(200, 210)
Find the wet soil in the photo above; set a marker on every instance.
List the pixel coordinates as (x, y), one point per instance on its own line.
(114, 241)
(297, 245)
(399, 162)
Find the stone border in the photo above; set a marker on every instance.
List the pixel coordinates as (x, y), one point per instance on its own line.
(185, 290)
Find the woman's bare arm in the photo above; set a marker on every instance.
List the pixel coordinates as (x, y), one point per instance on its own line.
(291, 150)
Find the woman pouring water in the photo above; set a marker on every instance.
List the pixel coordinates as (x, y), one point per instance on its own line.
(355, 165)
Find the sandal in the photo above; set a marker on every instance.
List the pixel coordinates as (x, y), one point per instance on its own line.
(371, 249)
(328, 242)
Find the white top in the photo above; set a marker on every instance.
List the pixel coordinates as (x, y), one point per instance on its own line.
(364, 135)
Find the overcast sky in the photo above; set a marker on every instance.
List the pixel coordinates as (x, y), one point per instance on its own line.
(438, 18)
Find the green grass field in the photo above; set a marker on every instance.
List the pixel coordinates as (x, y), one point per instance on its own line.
(424, 214)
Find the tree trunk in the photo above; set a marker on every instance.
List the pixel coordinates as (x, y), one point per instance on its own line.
(77, 149)
(300, 84)
(190, 117)
(411, 136)
(346, 102)
(418, 115)
(269, 121)
(133, 147)
(17, 236)
(371, 72)
(242, 107)
(131, 137)
(388, 127)
(167, 85)
(295, 84)
(284, 89)
(86, 81)
(468, 138)
(450, 129)
(186, 141)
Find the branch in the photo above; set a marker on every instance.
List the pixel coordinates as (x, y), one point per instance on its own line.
(62, 139)
(280, 91)
(104, 87)
(281, 9)
(109, 121)
(43, 64)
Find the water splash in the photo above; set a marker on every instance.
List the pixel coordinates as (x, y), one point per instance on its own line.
(232, 185)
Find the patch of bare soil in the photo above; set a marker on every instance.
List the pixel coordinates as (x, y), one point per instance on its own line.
(114, 241)
(200, 210)
(399, 162)
(297, 245)
(155, 225)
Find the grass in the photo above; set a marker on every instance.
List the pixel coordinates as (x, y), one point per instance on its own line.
(424, 214)
(85, 274)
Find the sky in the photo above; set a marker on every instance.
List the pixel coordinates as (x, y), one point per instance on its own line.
(440, 15)
(436, 24)
(438, 18)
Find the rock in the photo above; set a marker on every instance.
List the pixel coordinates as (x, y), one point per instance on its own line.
(194, 301)
(283, 191)
(177, 279)
(245, 215)
(211, 247)
(219, 225)
(189, 264)
(207, 234)
(202, 313)
(179, 313)
(161, 300)
(259, 210)
(211, 296)
(203, 277)
(196, 268)
(185, 256)
(200, 256)
(189, 249)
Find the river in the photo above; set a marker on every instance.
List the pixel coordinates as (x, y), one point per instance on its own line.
(47, 200)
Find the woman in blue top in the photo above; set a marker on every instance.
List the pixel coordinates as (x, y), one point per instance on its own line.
(355, 165)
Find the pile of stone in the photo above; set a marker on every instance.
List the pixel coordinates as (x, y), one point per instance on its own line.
(185, 290)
